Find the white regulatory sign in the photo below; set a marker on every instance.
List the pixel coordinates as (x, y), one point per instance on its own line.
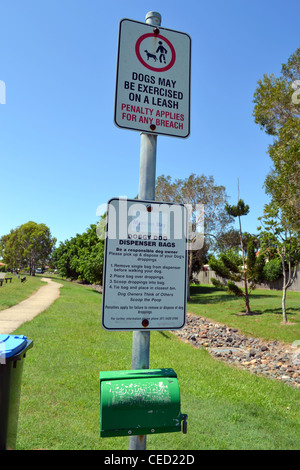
(145, 266)
(153, 79)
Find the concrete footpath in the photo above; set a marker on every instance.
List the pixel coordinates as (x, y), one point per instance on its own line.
(13, 317)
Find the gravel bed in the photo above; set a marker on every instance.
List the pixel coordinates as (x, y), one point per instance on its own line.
(268, 358)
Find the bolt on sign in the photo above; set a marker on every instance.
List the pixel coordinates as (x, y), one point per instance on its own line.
(145, 266)
(153, 79)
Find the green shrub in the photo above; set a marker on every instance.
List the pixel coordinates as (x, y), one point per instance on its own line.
(232, 288)
(273, 270)
(217, 283)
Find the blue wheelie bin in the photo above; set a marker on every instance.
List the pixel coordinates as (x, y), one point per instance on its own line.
(13, 350)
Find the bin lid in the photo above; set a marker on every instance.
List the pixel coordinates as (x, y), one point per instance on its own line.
(137, 374)
(10, 345)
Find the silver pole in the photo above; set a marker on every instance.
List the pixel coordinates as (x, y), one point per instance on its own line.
(141, 339)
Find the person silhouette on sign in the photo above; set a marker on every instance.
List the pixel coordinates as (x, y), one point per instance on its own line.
(162, 51)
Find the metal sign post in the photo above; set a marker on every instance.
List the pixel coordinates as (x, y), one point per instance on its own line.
(152, 97)
(141, 339)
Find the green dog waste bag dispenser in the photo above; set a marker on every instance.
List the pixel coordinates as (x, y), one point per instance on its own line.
(138, 402)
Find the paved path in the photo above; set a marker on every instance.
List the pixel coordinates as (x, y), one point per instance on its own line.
(13, 317)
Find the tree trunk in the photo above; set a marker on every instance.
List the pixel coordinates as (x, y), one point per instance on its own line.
(32, 268)
(247, 303)
(284, 317)
(284, 288)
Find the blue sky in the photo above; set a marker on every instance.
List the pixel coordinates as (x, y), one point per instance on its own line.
(61, 156)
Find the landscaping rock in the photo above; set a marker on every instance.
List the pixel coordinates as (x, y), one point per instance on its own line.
(269, 358)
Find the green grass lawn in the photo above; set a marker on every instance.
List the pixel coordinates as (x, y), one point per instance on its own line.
(227, 408)
(265, 320)
(13, 292)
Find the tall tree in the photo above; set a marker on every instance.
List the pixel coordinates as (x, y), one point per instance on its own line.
(28, 245)
(277, 233)
(230, 267)
(81, 257)
(237, 211)
(193, 191)
(197, 190)
(283, 182)
(277, 111)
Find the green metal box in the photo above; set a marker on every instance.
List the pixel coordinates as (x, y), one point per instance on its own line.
(138, 402)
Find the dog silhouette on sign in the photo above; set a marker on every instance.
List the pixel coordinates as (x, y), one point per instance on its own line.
(152, 56)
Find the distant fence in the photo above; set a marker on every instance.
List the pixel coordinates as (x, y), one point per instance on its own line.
(204, 277)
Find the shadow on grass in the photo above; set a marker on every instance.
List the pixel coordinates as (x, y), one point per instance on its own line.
(210, 295)
(275, 311)
(92, 289)
(163, 334)
(204, 289)
(244, 314)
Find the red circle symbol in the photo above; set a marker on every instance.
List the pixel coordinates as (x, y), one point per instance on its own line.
(155, 69)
